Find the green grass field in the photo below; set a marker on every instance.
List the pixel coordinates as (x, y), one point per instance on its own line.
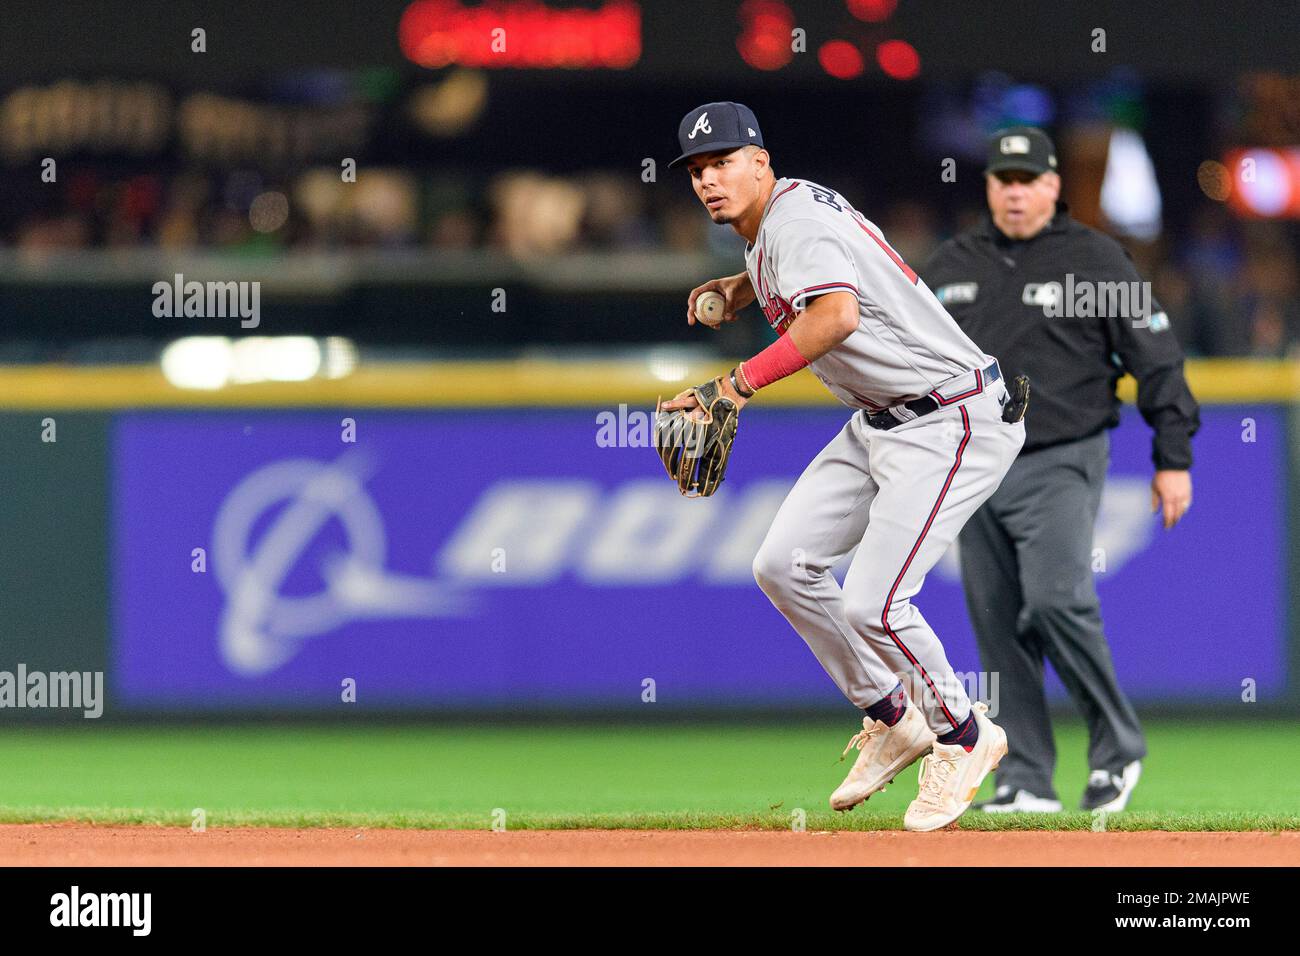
(1200, 776)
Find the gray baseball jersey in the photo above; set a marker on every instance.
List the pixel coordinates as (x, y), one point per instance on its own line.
(899, 496)
(810, 242)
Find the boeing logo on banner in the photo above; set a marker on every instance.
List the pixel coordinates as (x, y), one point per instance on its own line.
(638, 533)
(261, 628)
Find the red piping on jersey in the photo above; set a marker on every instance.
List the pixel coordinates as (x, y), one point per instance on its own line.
(907, 270)
(979, 387)
(884, 617)
(765, 300)
(780, 194)
(823, 286)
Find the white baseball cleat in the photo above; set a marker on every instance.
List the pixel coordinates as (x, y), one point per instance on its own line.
(950, 777)
(884, 752)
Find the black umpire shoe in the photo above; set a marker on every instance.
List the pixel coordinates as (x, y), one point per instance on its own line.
(1007, 799)
(1109, 792)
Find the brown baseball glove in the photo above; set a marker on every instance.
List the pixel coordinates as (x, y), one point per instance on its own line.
(695, 444)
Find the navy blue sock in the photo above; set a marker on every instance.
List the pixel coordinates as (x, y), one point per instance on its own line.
(891, 708)
(966, 734)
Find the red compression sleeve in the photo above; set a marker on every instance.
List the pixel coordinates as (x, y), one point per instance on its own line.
(775, 362)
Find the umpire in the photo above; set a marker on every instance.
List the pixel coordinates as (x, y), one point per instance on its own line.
(1016, 285)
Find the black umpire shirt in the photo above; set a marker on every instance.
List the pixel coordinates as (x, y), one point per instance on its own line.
(1033, 305)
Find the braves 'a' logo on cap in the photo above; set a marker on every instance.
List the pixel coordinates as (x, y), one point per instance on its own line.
(701, 125)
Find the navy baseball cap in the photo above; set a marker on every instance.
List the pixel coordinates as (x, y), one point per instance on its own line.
(1022, 148)
(715, 127)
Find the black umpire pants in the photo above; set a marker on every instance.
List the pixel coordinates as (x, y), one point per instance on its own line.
(1026, 561)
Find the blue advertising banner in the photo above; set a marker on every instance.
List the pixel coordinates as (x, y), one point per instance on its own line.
(447, 559)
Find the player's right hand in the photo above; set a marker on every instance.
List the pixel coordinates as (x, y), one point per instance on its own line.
(737, 290)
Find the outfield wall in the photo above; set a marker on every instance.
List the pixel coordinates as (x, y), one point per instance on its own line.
(499, 536)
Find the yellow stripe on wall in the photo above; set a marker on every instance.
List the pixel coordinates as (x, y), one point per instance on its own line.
(531, 382)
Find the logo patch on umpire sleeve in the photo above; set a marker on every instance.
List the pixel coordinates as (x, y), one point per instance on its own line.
(957, 292)
(1045, 294)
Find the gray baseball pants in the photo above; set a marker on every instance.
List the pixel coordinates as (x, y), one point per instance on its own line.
(900, 496)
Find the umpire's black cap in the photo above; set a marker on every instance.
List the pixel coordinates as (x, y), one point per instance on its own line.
(1022, 148)
(714, 127)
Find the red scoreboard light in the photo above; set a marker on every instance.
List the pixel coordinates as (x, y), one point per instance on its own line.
(899, 59)
(524, 34)
(841, 59)
(872, 11)
(1265, 183)
(764, 41)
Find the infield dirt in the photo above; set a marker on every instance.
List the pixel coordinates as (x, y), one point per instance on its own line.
(81, 845)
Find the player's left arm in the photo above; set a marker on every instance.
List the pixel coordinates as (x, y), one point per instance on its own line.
(828, 321)
(1149, 351)
(816, 275)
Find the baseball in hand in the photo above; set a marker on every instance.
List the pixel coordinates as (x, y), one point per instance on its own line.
(709, 307)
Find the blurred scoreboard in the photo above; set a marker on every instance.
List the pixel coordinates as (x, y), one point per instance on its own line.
(670, 39)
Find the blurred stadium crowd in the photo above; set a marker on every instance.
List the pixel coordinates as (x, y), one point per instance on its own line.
(462, 173)
(1229, 285)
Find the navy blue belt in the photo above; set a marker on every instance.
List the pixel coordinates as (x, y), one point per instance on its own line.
(934, 401)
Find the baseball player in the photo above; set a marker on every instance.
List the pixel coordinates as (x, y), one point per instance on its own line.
(934, 431)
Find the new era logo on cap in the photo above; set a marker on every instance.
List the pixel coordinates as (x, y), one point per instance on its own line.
(717, 127)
